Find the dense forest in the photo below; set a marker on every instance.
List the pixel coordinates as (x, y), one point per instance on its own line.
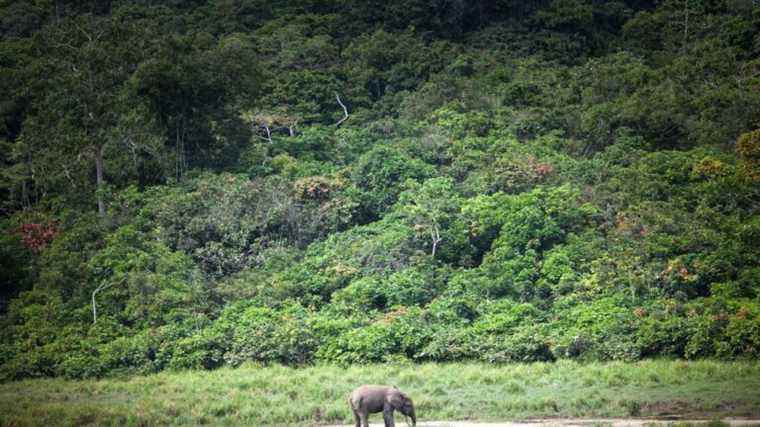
(192, 184)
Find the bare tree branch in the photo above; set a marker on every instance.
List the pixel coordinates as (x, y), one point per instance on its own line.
(345, 111)
(102, 286)
(95, 292)
(292, 128)
(435, 236)
(269, 132)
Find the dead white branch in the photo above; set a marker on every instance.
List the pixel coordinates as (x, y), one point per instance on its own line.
(269, 133)
(345, 110)
(266, 129)
(95, 292)
(292, 127)
(435, 236)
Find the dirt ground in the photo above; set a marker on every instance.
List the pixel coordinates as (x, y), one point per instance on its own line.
(574, 422)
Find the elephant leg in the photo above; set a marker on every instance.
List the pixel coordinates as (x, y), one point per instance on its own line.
(364, 418)
(357, 419)
(388, 416)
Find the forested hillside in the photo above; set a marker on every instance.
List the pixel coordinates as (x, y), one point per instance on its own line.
(191, 184)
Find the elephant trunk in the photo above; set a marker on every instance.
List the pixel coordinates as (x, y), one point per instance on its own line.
(413, 417)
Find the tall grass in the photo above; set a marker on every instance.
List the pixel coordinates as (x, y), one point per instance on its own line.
(278, 395)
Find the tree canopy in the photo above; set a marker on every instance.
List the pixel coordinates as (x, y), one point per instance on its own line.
(191, 184)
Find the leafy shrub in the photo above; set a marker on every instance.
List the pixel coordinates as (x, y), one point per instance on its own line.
(81, 365)
(502, 316)
(662, 335)
(380, 174)
(14, 262)
(449, 345)
(603, 329)
(203, 350)
(453, 309)
(741, 337)
(399, 332)
(525, 344)
(371, 343)
(129, 355)
(265, 335)
(748, 147)
(704, 330)
(144, 282)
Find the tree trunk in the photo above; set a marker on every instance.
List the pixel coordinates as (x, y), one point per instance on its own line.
(99, 180)
(435, 236)
(345, 111)
(686, 22)
(94, 306)
(269, 133)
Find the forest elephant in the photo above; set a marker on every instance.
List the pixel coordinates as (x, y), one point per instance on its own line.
(371, 399)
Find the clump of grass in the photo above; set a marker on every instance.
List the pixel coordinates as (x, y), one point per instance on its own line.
(279, 395)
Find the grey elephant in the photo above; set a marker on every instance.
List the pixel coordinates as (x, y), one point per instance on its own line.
(371, 399)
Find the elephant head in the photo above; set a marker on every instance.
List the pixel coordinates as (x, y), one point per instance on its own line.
(402, 403)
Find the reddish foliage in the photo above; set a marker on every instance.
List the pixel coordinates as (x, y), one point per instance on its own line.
(543, 169)
(315, 188)
(748, 148)
(36, 236)
(677, 270)
(393, 314)
(630, 224)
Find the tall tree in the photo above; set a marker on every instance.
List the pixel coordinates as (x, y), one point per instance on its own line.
(194, 85)
(85, 63)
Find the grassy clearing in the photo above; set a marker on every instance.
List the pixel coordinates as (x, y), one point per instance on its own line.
(278, 395)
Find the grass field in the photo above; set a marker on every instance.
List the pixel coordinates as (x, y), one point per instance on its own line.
(277, 395)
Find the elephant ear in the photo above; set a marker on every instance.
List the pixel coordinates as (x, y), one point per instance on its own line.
(397, 399)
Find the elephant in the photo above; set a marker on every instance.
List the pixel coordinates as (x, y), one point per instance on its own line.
(371, 399)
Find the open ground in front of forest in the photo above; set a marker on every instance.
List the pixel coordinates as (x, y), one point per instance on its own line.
(600, 393)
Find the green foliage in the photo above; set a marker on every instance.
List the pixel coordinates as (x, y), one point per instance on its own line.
(253, 333)
(566, 15)
(514, 181)
(14, 259)
(748, 148)
(145, 283)
(409, 287)
(380, 175)
(225, 221)
(432, 210)
(381, 64)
